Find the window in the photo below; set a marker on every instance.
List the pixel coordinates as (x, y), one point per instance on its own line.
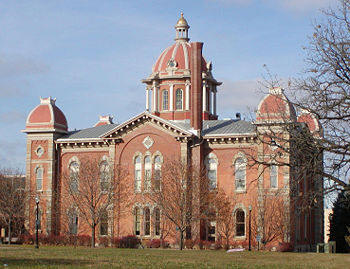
(74, 176)
(305, 225)
(273, 176)
(137, 223)
(73, 221)
(240, 223)
(157, 172)
(104, 176)
(212, 231)
(147, 221)
(240, 174)
(148, 173)
(157, 221)
(39, 178)
(178, 100)
(138, 174)
(104, 223)
(165, 100)
(212, 170)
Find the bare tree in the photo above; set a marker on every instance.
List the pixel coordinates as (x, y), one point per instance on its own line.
(181, 186)
(12, 200)
(270, 218)
(94, 189)
(225, 219)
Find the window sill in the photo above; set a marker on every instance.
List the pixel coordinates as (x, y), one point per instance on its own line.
(240, 191)
(240, 237)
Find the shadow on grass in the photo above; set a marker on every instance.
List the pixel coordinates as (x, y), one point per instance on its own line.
(41, 261)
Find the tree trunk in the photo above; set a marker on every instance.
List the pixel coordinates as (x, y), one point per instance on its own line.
(9, 230)
(93, 235)
(181, 239)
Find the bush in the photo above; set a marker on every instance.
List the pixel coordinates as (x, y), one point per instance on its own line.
(130, 241)
(84, 240)
(285, 247)
(189, 243)
(115, 242)
(27, 239)
(104, 241)
(154, 243)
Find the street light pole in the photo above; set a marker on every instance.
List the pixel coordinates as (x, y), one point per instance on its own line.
(37, 222)
(250, 226)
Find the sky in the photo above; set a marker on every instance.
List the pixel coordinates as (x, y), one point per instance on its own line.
(91, 55)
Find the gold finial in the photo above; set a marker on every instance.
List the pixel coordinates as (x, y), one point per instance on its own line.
(182, 21)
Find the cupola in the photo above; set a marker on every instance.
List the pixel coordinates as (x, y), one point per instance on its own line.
(182, 29)
(46, 117)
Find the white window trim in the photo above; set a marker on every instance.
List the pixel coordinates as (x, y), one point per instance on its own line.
(243, 157)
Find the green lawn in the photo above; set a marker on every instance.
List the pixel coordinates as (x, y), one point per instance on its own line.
(80, 257)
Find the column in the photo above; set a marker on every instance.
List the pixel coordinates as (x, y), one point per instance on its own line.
(204, 105)
(187, 103)
(211, 108)
(171, 97)
(214, 103)
(147, 99)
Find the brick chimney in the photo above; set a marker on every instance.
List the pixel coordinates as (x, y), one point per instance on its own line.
(196, 86)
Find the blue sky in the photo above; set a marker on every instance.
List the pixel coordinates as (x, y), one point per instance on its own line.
(92, 55)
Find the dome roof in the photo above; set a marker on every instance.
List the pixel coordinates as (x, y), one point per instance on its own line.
(311, 121)
(177, 56)
(46, 116)
(275, 107)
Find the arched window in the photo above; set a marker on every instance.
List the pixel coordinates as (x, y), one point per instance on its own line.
(137, 164)
(73, 221)
(240, 222)
(273, 176)
(240, 174)
(165, 99)
(157, 222)
(104, 222)
(74, 176)
(178, 99)
(148, 173)
(147, 216)
(212, 165)
(39, 178)
(137, 221)
(104, 176)
(157, 172)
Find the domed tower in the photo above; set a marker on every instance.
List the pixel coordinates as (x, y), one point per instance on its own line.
(169, 91)
(45, 123)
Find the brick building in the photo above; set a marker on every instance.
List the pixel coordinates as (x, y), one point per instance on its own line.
(180, 120)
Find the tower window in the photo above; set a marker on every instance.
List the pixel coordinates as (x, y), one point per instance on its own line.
(104, 176)
(165, 100)
(74, 176)
(273, 176)
(157, 172)
(73, 221)
(104, 223)
(147, 221)
(137, 164)
(39, 178)
(240, 174)
(137, 223)
(178, 103)
(240, 223)
(157, 221)
(212, 165)
(148, 173)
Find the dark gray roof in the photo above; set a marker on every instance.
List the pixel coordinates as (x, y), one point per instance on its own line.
(220, 127)
(210, 127)
(93, 132)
